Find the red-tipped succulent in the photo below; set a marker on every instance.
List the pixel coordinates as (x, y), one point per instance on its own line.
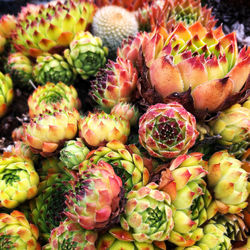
(94, 201)
(54, 29)
(46, 133)
(167, 130)
(201, 69)
(169, 13)
(114, 84)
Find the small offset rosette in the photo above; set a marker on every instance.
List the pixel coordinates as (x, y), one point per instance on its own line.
(18, 180)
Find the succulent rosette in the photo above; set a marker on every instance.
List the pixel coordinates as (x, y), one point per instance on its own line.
(184, 182)
(228, 181)
(203, 68)
(148, 214)
(86, 54)
(126, 111)
(54, 30)
(113, 24)
(47, 132)
(130, 47)
(18, 180)
(73, 153)
(119, 239)
(53, 68)
(49, 166)
(167, 130)
(169, 13)
(125, 160)
(20, 68)
(47, 208)
(233, 125)
(214, 238)
(94, 199)
(23, 150)
(189, 12)
(97, 129)
(7, 25)
(149, 15)
(6, 93)
(234, 224)
(51, 97)
(70, 235)
(17, 233)
(115, 83)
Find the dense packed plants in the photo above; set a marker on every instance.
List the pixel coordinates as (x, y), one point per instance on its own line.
(136, 130)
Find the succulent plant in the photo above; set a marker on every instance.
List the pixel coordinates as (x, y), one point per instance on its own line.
(47, 208)
(6, 93)
(70, 235)
(49, 166)
(148, 214)
(234, 224)
(18, 180)
(169, 13)
(20, 68)
(31, 12)
(17, 134)
(86, 54)
(126, 111)
(183, 181)
(35, 12)
(115, 83)
(53, 68)
(7, 25)
(246, 104)
(113, 24)
(130, 5)
(47, 132)
(149, 15)
(189, 12)
(17, 233)
(73, 153)
(97, 129)
(214, 238)
(195, 66)
(130, 47)
(94, 199)
(228, 181)
(53, 31)
(167, 130)
(51, 97)
(246, 213)
(125, 160)
(23, 150)
(119, 239)
(233, 125)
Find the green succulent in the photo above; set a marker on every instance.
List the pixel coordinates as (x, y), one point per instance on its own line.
(53, 68)
(148, 214)
(86, 54)
(47, 208)
(73, 153)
